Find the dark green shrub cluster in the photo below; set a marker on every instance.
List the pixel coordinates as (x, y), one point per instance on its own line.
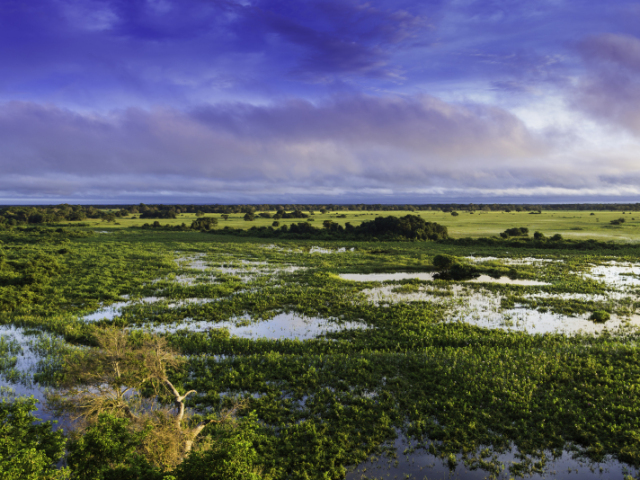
(158, 214)
(204, 223)
(515, 232)
(600, 316)
(409, 227)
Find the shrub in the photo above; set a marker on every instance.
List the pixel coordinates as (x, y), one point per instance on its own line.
(110, 450)
(515, 232)
(231, 456)
(28, 449)
(204, 223)
(600, 316)
(444, 262)
(409, 226)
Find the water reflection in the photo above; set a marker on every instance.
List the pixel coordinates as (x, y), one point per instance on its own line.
(115, 309)
(28, 362)
(429, 276)
(283, 325)
(420, 465)
(328, 250)
(620, 274)
(483, 309)
(512, 261)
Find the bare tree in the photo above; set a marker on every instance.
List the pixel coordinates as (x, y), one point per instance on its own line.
(128, 377)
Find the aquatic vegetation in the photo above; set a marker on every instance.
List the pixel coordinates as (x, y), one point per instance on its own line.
(417, 360)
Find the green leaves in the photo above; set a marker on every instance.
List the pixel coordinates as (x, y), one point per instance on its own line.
(29, 449)
(111, 450)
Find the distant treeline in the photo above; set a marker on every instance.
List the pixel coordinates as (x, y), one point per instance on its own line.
(409, 227)
(16, 215)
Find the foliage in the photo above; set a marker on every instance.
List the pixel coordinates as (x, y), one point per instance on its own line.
(444, 261)
(158, 214)
(230, 454)
(29, 449)
(515, 232)
(409, 226)
(204, 223)
(600, 316)
(110, 450)
(462, 392)
(124, 377)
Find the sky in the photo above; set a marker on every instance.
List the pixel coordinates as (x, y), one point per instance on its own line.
(333, 101)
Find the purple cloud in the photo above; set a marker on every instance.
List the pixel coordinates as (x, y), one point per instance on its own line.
(382, 140)
(123, 97)
(610, 90)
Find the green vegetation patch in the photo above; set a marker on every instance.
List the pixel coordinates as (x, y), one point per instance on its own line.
(314, 408)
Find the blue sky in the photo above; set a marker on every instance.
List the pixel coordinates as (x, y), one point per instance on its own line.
(319, 101)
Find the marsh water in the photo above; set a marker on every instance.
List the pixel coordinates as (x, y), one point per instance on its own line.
(429, 276)
(410, 463)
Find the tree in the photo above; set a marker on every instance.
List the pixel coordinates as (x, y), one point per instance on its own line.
(249, 217)
(29, 449)
(225, 216)
(126, 376)
(204, 223)
(409, 226)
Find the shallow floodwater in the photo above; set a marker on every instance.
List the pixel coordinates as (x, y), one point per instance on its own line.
(506, 281)
(429, 276)
(616, 274)
(283, 325)
(115, 309)
(483, 310)
(328, 250)
(248, 271)
(26, 364)
(386, 277)
(421, 465)
(512, 261)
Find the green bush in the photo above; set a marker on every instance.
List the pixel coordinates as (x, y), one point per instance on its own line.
(444, 262)
(231, 457)
(600, 316)
(109, 450)
(29, 449)
(515, 232)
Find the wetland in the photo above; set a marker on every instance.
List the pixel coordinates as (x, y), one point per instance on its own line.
(354, 359)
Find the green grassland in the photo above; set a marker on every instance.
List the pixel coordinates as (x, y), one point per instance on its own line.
(569, 224)
(459, 391)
